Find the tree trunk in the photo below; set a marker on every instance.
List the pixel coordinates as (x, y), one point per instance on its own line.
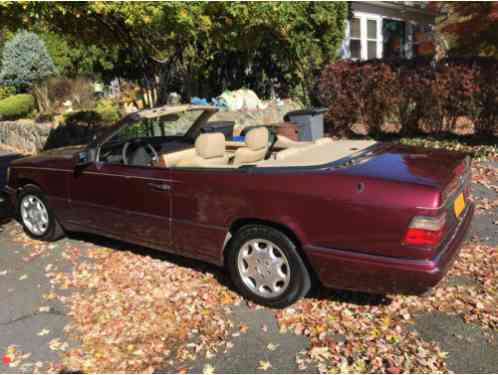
(40, 92)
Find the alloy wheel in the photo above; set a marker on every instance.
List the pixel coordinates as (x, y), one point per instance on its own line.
(34, 215)
(263, 268)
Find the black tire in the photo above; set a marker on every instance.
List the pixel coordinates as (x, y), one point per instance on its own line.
(299, 281)
(54, 230)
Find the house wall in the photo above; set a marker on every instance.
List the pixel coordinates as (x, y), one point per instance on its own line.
(380, 11)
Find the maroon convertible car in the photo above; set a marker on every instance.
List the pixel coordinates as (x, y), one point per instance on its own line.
(360, 215)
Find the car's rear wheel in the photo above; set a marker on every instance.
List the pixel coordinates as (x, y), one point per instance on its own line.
(36, 216)
(266, 267)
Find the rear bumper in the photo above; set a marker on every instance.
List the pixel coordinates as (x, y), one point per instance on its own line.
(377, 274)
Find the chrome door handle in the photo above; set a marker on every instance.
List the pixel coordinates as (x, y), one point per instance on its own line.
(159, 186)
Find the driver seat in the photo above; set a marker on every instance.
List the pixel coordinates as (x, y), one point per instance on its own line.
(209, 151)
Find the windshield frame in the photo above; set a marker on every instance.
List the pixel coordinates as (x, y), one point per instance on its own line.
(190, 134)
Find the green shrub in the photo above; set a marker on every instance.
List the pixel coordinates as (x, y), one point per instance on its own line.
(6, 91)
(16, 106)
(25, 61)
(108, 110)
(82, 117)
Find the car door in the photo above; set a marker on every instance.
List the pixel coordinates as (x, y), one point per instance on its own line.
(132, 203)
(203, 202)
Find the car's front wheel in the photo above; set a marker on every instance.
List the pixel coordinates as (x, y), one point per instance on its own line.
(35, 215)
(266, 267)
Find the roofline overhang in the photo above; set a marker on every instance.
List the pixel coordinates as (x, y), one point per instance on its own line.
(401, 7)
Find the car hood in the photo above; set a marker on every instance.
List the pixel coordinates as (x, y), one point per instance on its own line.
(407, 164)
(56, 153)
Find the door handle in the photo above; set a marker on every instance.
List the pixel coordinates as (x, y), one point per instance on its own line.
(159, 186)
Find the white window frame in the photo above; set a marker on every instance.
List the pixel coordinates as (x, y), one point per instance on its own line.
(364, 17)
(350, 38)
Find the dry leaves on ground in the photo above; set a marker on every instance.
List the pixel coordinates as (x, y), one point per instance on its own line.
(487, 176)
(130, 312)
(351, 332)
(479, 151)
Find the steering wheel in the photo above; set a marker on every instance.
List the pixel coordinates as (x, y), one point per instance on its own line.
(139, 143)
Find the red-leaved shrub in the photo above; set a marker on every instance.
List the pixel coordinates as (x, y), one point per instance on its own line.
(340, 90)
(411, 95)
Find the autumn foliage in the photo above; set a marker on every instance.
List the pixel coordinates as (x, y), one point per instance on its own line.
(411, 96)
(472, 25)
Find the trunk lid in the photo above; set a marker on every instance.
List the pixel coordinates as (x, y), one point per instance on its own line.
(409, 164)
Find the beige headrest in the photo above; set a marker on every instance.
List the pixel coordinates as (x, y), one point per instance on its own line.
(323, 141)
(256, 139)
(210, 145)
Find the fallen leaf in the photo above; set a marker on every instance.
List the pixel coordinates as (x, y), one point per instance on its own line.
(208, 369)
(243, 328)
(272, 347)
(320, 353)
(43, 332)
(264, 365)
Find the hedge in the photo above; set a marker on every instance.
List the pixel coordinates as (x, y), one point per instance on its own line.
(106, 112)
(16, 106)
(413, 95)
(6, 91)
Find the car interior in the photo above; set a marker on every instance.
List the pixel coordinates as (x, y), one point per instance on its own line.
(180, 140)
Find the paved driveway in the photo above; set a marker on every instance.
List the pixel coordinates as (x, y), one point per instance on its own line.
(86, 282)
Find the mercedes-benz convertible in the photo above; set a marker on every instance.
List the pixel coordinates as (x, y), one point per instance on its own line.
(277, 213)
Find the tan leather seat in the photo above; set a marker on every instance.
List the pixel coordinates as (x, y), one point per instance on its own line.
(324, 141)
(209, 151)
(171, 159)
(256, 146)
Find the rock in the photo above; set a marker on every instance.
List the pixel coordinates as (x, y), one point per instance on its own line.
(24, 135)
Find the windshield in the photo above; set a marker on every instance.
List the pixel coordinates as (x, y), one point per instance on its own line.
(170, 125)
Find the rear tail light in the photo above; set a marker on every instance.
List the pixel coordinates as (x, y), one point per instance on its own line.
(425, 230)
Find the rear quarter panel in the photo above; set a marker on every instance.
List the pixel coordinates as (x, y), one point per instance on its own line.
(323, 208)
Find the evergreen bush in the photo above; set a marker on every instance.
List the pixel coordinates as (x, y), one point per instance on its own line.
(16, 106)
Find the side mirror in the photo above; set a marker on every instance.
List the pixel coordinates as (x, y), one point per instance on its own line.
(85, 157)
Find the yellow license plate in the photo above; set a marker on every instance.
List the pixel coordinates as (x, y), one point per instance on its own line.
(459, 205)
